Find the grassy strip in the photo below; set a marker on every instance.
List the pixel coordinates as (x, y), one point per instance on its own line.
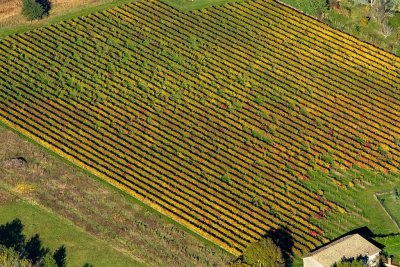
(69, 14)
(55, 231)
(189, 5)
(354, 190)
(122, 193)
(391, 205)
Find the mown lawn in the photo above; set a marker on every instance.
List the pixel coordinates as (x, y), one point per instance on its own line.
(55, 231)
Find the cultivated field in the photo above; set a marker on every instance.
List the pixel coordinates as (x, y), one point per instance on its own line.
(58, 190)
(212, 117)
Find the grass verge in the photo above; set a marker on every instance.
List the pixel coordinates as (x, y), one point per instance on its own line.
(391, 204)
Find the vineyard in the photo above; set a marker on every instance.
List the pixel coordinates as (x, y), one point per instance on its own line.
(212, 117)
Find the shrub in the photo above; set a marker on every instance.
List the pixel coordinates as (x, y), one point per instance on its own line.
(383, 149)
(225, 178)
(327, 158)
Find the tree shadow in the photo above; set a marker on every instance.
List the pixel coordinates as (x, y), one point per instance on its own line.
(283, 239)
(362, 231)
(45, 4)
(11, 236)
(34, 250)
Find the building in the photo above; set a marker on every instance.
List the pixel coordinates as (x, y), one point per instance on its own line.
(351, 246)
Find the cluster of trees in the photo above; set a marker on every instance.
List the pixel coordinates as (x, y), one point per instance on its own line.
(380, 10)
(359, 262)
(15, 250)
(35, 9)
(350, 263)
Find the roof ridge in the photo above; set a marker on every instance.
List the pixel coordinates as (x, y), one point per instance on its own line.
(333, 243)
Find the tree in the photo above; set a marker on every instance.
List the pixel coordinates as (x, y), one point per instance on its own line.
(10, 258)
(264, 253)
(60, 257)
(48, 261)
(32, 9)
(381, 10)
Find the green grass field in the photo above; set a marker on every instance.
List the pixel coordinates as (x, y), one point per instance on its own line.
(391, 205)
(354, 190)
(55, 231)
(391, 243)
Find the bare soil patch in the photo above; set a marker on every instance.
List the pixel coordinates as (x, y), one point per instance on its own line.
(15, 163)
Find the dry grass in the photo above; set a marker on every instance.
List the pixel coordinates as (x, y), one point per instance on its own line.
(99, 209)
(11, 10)
(5, 197)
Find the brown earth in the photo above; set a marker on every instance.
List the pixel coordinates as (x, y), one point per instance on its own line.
(99, 208)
